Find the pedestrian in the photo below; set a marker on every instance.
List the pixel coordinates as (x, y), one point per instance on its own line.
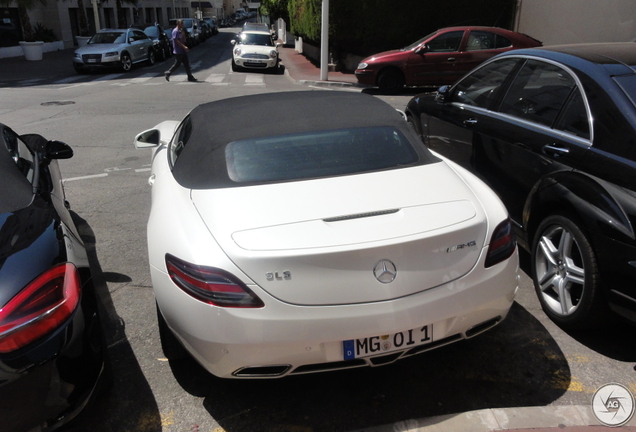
(180, 51)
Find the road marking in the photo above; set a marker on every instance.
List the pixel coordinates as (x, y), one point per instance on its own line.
(84, 177)
(254, 80)
(107, 77)
(215, 78)
(142, 170)
(143, 78)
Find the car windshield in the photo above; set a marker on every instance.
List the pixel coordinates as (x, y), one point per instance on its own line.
(153, 31)
(318, 154)
(415, 44)
(255, 39)
(108, 38)
(187, 23)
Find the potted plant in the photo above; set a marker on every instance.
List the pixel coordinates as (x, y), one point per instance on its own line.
(32, 48)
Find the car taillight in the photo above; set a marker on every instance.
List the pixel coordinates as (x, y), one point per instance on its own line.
(40, 308)
(502, 244)
(211, 285)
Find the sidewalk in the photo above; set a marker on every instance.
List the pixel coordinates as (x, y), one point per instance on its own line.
(565, 418)
(303, 71)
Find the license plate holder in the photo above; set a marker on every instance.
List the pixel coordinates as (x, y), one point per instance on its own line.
(384, 344)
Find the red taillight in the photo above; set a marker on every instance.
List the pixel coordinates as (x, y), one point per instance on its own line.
(502, 244)
(211, 285)
(41, 307)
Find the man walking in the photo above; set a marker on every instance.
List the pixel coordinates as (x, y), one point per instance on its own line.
(180, 51)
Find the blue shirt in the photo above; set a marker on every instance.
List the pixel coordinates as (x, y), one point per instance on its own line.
(176, 34)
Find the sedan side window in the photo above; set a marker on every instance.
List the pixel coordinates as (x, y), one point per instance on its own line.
(480, 87)
(538, 93)
(483, 40)
(447, 42)
(574, 117)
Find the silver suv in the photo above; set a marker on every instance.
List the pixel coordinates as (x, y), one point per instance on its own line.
(115, 48)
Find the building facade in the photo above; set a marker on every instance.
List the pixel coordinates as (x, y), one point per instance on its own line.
(63, 18)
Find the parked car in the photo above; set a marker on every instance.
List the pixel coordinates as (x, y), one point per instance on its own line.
(289, 247)
(52, 351)
(255, 49)
(192, 28)
(552, 130)
(162, 43)
(115, 48)
(206, 30)
(442, 57)
(212, 23)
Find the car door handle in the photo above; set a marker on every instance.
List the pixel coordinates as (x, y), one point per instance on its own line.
(470, 122)
(554, 150)
(451, 59)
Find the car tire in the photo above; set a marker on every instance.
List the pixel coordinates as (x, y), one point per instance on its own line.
(151, 57)
(391, 81)
(566, 276)
(172, 348)
(235, 67)
(126, 62)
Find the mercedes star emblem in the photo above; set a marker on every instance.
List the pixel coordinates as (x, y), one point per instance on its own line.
(385, 271)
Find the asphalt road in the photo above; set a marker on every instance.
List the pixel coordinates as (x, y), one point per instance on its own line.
(526, 361)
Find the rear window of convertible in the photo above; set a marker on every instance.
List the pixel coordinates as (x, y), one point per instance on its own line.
(318, 154)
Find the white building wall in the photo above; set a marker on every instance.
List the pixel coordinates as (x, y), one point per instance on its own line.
(577, 21)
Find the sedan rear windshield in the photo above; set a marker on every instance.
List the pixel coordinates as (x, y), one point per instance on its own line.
(318, 154)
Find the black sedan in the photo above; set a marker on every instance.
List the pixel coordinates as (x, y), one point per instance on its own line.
(162, 42)
(52, 354)
(553, 131)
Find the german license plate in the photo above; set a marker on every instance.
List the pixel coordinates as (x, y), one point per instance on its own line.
(92, 60)
(254, 62)
(369, 346)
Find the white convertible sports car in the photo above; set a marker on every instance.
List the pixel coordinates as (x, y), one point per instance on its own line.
(328, 239)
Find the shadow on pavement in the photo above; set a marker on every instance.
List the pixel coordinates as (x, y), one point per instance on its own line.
(130, 404)
(516, 364)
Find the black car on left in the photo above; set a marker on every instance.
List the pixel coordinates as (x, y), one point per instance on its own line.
(52, 350)
(553, 131)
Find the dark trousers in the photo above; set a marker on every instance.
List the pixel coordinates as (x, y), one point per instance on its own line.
(179, 59)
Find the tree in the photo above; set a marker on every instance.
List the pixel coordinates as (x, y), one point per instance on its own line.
(23, 12)
(275, 9)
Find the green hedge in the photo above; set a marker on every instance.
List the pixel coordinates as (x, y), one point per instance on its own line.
(365, 27)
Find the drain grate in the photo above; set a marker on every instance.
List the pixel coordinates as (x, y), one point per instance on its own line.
(55, 103)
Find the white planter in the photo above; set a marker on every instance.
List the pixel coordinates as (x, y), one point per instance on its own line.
(82, 40)
(32, 50)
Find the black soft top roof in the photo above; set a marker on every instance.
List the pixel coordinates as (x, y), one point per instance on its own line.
(201, 164)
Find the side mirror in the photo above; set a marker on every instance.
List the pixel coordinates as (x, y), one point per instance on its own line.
(57, 150)
(443, 94)
(422, 49)
(233, 42)
(130, 40)
(278, 44)
(148, 139)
